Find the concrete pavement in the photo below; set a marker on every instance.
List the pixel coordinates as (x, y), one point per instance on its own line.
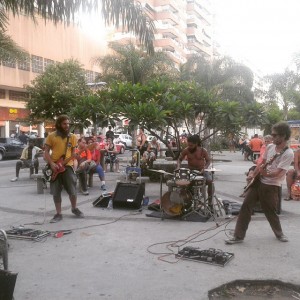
(107, 255)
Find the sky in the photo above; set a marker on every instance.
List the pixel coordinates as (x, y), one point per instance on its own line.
(264, 32)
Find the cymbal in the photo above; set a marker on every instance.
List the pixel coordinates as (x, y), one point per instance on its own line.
(212, 170)
(161, 171)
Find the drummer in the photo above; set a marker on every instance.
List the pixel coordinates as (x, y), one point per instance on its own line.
(198, 159)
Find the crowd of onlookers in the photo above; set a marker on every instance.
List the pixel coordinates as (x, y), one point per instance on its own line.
(94, 157)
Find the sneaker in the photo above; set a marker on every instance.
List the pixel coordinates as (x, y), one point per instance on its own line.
(14, 179)
(283, 239)
(77, 213)
(233, 240)
(103, 187)
(85, 193)
(56, 218)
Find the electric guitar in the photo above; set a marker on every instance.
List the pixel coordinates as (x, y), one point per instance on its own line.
(51, 175)
(257, 176)
(254, 179)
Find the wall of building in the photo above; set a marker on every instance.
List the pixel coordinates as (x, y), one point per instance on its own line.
(46, 43)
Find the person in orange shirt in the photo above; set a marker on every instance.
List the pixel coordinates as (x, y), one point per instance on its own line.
(84, 158)
(255, 144)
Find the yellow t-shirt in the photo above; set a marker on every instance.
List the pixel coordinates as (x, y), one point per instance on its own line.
(57, 145)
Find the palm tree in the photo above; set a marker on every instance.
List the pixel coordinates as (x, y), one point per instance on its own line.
(133, 65)
(121, 13)
(9, 49)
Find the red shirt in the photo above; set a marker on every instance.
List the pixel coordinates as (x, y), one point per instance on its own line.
(84, 154)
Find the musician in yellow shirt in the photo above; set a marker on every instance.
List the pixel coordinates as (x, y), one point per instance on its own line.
(62, 145)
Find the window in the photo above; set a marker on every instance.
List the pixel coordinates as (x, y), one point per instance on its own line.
(24, 65)
(48, 62)
(18, 96)
(37, 64)
(11, 63)
(2, 94)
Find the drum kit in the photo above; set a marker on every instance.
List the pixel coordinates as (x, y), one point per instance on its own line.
(187, 195)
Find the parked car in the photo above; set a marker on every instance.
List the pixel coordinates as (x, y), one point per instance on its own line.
(125, 139)
(102, 142)
(10, 148)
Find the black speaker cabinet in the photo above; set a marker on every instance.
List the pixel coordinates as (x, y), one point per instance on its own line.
(128, 195)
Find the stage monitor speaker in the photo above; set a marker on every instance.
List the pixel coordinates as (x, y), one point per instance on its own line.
(102, 201)
(128, 195)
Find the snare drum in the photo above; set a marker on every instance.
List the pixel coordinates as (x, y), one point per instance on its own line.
(182, 177)
(174, 203)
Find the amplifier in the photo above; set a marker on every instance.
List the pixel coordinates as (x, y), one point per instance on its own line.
(128, 195)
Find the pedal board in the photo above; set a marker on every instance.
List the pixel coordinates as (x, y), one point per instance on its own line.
(211, 256)
(22, 233)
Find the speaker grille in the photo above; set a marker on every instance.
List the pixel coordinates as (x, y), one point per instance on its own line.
(128, 195)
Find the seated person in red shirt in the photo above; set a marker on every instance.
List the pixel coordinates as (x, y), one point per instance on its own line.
(83, 158)
(95, 166)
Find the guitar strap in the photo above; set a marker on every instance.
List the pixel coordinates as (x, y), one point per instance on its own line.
(68, 138)
(275, 156)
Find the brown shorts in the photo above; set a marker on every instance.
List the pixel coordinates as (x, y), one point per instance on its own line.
(66, 180)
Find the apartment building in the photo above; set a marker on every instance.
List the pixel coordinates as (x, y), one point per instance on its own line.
(46, 44)
(184, 27)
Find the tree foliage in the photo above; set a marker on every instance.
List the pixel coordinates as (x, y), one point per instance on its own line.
(224, 77)
(56, 91)
(121, 13)
(127, 63)
(284, 89)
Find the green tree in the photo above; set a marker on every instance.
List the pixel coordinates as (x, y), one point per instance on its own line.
(97, 109)
(284, 89)
(121, 13)
(254, 115)
(56, 91)
(274, 114)
(224, 77)
(133, 65)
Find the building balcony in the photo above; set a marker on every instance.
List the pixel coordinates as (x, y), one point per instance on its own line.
(172, 3)
(193, 8)
(178, 59)
(167, 15)
(197, 46)
(169, 44)
(170, 32)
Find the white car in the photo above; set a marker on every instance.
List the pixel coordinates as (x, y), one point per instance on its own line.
(125, 139)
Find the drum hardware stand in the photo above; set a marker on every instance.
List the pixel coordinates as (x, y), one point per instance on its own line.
(217, 203)
(197, 195)
(161, 177)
